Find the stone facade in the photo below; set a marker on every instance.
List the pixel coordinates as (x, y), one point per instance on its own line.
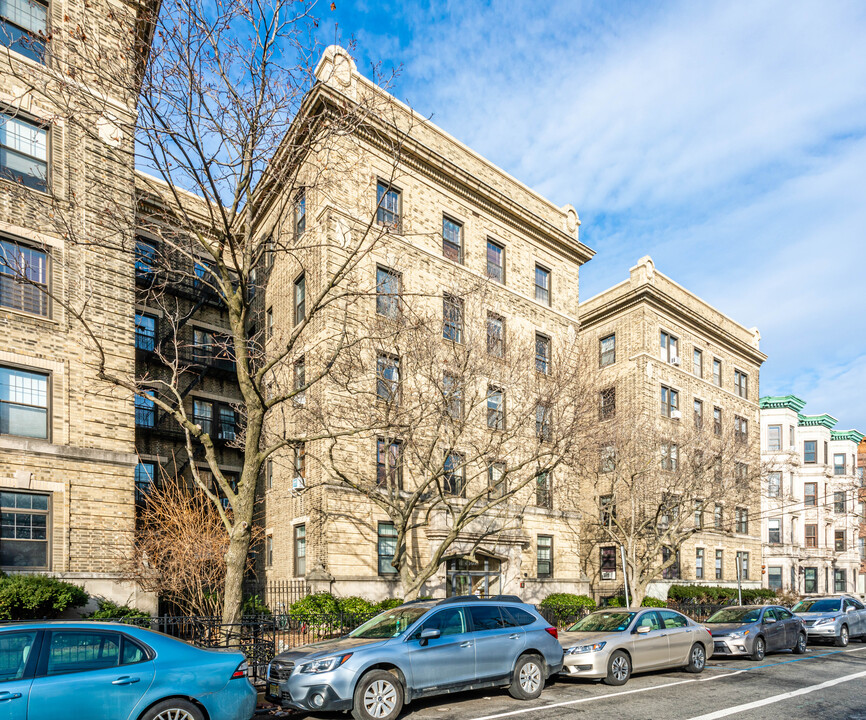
(811, 520)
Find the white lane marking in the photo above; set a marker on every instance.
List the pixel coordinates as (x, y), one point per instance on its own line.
(778, 698)
(608, 696)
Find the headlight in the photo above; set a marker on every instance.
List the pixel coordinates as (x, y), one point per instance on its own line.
(324, 665)
(738, 634)
(825, 621)
(580, 649)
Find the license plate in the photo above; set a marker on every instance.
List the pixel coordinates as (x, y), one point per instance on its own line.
(273, 690)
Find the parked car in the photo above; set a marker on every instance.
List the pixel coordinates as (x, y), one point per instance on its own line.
(109, 671)
(419, 649)
(611, 644)
(755, 631)
(833, 619)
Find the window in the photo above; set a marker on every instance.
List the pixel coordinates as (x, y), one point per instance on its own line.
(452, 239)
(23, 151)
(742, 518)
(204, 276)
(451, 621)
(495, 261)
(386, 548)
(717, 421)
(839, 541)
(15, 650)
(269, 551)
(495, 408)
(774, 578)
(669, 510)
(452, 318)
(299, 466)
(774, 438)
(719, 566)
(495, 336)
(839, 502)
(543, 490)
(810, 491)
(698, 363)
(82, 650)
(607, 405)
(607, 351)
(791, 441)
(300, 373)
(607, 556)
(810, 580)
(810, 451)
(388, 206)
(741, 383)
(145, 332)
(699, 563)
(774, 484)
(542, 285)
(741, 429)
(670, 456)
(389, 286)
(811, 535)
(269, 323)
(497, 484)
(24, 530)
(389, 464)
(718, 517)
(144, 476)
(840, 580)
(23, 403)
(699, 414)
(608, 459)
(699, 513)
(672, 572)
(23, 277)
(228, 423)
(300, 550)
(145, 411)
(453, 474)
(388, 378)
(300, 212)
(669, 348)
(269, 474)
(670, 402)
(743, 565)
(300, 299)
(543, 422)
(544, 555)
(202, 415)
(452, 390)
(542, 353)
(23, 27)
(839, 465)
(717, 372)
(607, 509)
(741, 472)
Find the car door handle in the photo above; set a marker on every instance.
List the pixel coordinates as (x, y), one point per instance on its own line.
(514, 637)
(9, 696)
(125, 680)
(466, 644)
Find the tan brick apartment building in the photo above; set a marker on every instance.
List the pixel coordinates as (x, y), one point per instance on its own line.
(668, 355)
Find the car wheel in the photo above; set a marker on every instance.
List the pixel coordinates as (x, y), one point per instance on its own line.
(759, 649)
(842, 638)
(528, 680)
(800, 647)
(618, 669)
(697, 659)
(174, 709)
(378, 696)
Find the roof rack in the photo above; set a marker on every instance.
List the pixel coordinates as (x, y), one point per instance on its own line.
(459, 599)
(507, 598)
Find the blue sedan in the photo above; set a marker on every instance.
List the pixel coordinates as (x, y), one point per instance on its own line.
(109, 671)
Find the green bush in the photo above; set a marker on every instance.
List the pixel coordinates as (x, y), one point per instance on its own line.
(354, 605)
(109, 610)
(33, 597)
(715, 595)
(567, 603)
(653, 602)
(388, 604)
(255, 605)
(321, 603)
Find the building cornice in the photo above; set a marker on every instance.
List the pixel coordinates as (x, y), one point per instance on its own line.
(782, 402)
(855, 436)
(823, 420)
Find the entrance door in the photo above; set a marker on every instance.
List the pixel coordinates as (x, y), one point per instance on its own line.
(482, 578)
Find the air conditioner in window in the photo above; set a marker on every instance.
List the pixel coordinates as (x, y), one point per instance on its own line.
(676, 415)
(608, 574)
(298, 483)
(675, 360)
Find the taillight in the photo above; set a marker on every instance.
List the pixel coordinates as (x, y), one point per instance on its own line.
(553, 631)
(241, 671)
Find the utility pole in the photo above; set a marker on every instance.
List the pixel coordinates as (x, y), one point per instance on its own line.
(739, 575)
(624, 573)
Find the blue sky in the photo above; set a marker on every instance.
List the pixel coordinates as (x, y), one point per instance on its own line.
(726, 140)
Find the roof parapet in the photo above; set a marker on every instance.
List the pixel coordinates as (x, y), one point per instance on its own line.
(782, 402)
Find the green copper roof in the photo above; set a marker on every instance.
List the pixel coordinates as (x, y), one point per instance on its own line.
(790, 402)
(855, 436)
(828, 421)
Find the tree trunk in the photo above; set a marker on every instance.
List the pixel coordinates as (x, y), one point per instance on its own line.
(236, 562)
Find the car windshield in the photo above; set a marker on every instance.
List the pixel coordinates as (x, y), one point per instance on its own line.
(736, 615)
(390, 623)
(825, 605)
(603, 622)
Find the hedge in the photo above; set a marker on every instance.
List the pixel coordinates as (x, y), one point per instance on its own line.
(567, 603)
(619, 601)
(319, 606)
(698, 594)
(109, 610)
(33, 597)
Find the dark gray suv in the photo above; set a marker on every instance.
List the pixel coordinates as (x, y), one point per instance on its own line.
(416, 650)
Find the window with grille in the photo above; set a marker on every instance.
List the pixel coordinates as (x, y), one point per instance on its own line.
(543, 490)
(607, 408)
(607, 556)
(300, 550)
(24, 530)
(387, 548)
(542, 353)
(23, 403)
(145, 332)
(24, 278)
(544, 555)
(145, 411)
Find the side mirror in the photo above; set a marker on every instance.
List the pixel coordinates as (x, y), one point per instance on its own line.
(643, 629)
(769, 620)
(429, 634)
(850, 609)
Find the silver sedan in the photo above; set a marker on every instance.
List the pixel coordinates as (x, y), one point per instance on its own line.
(610, 644)
(834, 619)
(755, 631)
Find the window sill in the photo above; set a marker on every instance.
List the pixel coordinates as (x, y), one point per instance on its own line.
(29, 316)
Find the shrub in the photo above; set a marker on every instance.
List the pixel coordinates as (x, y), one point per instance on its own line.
(354, 605)
(255, 605)
(567, 603)
(388, 604)
(317, 604)
(109, 610)
(653, 602)
(32, 597)
(716, 595)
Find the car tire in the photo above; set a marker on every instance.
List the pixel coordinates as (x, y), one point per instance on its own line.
(527, 682)
(697, 659)
(174, 709)
(802, 641)
(842, 638)
(378, 696)
(618, 669)
(759, 649)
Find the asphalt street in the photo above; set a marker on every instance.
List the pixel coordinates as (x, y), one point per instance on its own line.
(826, 683)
